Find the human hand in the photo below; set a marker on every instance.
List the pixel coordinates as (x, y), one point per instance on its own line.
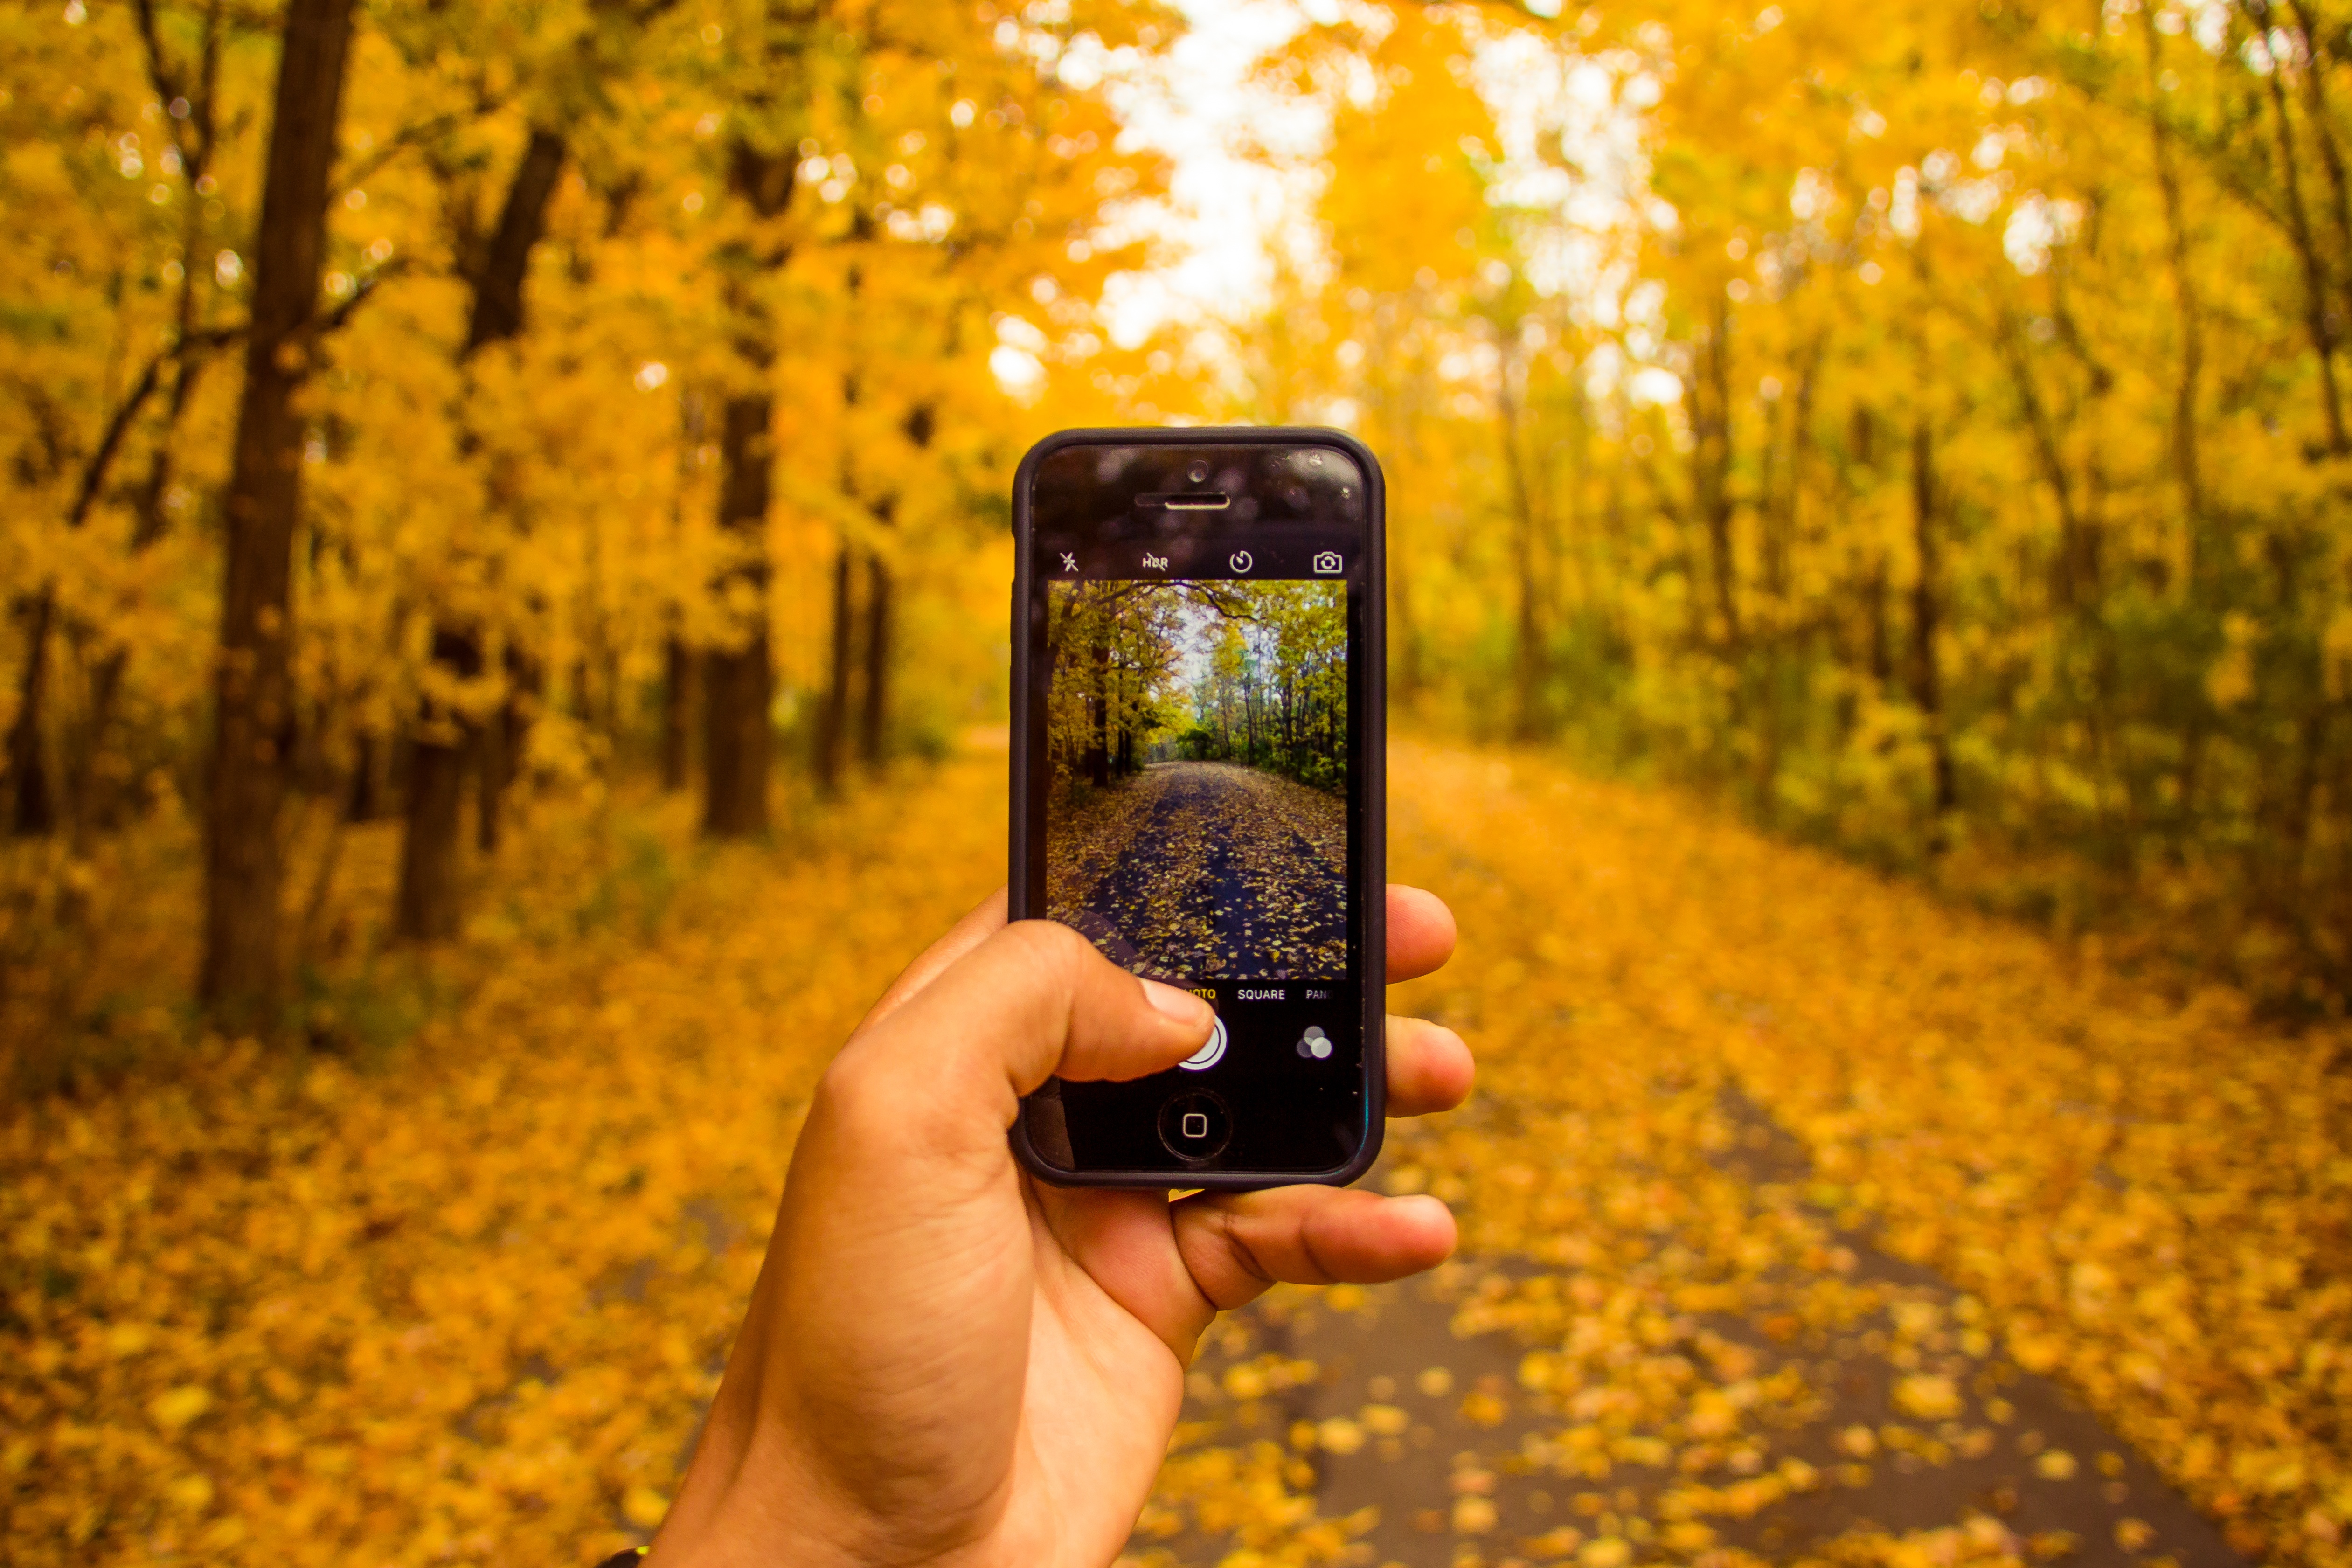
(946, 1363)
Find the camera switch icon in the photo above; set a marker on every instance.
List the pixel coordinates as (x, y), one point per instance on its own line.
(1327, 562)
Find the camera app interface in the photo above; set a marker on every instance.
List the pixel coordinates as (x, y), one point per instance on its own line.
(1197, 748)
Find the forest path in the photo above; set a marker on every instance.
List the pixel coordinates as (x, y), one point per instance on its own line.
(1228, 873)
(1989, 1305)
(1792, 1203)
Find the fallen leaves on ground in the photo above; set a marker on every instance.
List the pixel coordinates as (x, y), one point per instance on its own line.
(1206, 871)
(2141, 1199)
(464, 1304)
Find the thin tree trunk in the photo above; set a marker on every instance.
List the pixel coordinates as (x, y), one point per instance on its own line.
(681, 668)
(504, 738)
(428, 907)
(33, 814)
(34, 810)
(832, 713)
(874, 716)
(1882, 642)
(1098, 754)
(496, 314)
(1527, 650)
(881, 608)
(1711, 465)
(2331, 157)
(361, 804)
(106, 685)
(194, 136)
(681, 664)
(431, 833)
(1925, 611)
(254, 715)
(738, 682)
(2184, 289)
(2314, 267)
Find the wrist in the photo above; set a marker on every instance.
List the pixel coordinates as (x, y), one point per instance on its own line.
(752, 1495)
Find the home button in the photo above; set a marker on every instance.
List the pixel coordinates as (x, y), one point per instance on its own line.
(1195, 1125)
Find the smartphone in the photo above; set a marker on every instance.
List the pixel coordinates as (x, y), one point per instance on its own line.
(1198, 700)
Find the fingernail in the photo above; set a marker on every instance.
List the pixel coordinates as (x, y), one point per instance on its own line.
(1176, 1004)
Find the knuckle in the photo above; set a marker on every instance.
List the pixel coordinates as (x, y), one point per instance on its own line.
(875, 1098)
(853, 1083)
(1055, 952)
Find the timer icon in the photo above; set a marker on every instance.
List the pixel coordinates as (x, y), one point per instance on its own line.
(1239, 561)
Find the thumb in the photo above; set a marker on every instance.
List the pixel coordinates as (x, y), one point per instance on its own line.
(1032, 1001)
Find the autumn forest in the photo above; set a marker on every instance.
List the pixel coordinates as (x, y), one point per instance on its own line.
(504, 533)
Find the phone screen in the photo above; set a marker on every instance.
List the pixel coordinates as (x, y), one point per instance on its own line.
(1199, 620)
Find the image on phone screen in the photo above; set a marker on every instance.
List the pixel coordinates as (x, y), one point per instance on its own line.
(1197, 812)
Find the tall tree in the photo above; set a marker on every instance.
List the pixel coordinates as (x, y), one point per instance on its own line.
(739, 677)
(427, 907)
(253, 713)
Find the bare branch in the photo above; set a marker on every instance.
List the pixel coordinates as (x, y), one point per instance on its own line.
(410, 136)
(93, 476)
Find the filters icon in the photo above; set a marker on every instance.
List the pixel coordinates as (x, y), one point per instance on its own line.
(1315, 1042)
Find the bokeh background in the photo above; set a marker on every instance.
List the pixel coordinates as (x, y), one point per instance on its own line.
(504, 533)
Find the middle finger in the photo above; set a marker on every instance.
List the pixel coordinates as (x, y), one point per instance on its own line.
(1429, 1067)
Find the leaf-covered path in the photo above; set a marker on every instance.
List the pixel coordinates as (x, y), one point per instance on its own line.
(1795, 1209)
(2042, 1249)
(1209, 871)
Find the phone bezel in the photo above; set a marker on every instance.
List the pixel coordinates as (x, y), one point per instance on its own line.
(1371, 894)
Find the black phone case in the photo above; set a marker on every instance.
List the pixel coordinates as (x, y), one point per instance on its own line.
(1373, 893)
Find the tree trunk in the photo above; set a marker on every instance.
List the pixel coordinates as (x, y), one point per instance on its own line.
(33, 813)
(739, 682)
(1711, 457)
(1882, 649)
(502, 741)
(877, 661)
(490, 755)
(738, 687)
(1098, 753)
(496, 314)
(833, 712)
(2192, 338)
(360, 805)
(680, 667)
(244, 865)
(430, 835)
(2322, 117)
(1527, 649)
(1927, 685)
(2316, 312)
(427, 907)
